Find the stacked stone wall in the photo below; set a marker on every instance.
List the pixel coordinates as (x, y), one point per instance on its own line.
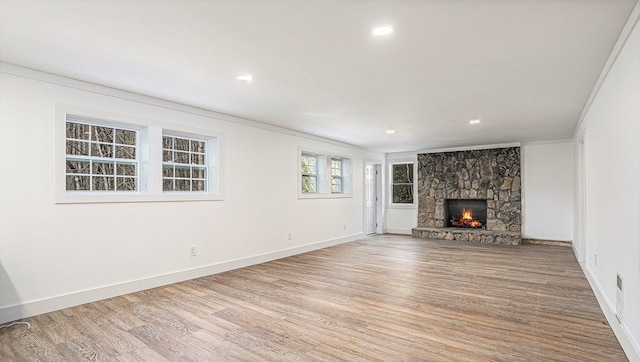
(490, 174)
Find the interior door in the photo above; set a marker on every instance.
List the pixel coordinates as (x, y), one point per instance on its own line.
(370, 199)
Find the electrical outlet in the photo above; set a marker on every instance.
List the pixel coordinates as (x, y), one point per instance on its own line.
(345, 226)
(289, 236)
(619, 297)
(193, 251)
(595, 259)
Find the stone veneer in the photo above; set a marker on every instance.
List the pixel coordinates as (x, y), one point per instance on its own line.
(489, 174)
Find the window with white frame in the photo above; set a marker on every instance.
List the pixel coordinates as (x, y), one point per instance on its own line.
(402, 183)
(324, 175)
(100, 157)
(309, 168)
(336, 175)
(184, 164)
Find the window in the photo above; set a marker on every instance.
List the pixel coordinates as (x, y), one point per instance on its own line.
(103, 157)
(402, 183)
(309, 173)
(323, 175)
(100, 157)
(336, 175)
(184, 164)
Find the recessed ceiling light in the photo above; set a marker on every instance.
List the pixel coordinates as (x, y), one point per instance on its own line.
(244, 77)
(391, 131)
(382, 30)
(474, 121)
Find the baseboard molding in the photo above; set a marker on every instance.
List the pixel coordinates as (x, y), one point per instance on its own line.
(529, 241)
(398, 231)
(629, 345)
(31, 308)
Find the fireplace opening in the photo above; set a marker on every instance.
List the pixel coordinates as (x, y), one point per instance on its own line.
(465, 213)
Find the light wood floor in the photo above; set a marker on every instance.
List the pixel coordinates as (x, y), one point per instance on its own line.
(386, 298)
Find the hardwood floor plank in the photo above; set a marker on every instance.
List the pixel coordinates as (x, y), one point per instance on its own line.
(381, 298)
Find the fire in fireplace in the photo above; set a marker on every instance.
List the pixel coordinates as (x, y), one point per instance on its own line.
(466, 213)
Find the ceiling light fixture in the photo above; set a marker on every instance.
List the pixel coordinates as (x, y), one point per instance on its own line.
(391, 131)
(382, 30)
(474, 121)
(244, 77)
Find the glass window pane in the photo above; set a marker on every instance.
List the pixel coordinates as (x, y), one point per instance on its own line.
(402, 194)
(181, 157)
(403, 173)
(183, 185)
(101, 150)
(309, 165)
(198, 146)
(77, 131)
(309, 184)
(126, 184)
(336, 185)
(183, 172)
(167, 156)
(102, 134)
(197, 159)
(77, 148)
(75, 182)
(167, 142)
(77, 166)
(126, 169)
(167, 171)
(197, 172)
(103, 183)
(198, 185)
(102, 168)
(126, 152)
(125, 137)
(181, 144)
(167, 184)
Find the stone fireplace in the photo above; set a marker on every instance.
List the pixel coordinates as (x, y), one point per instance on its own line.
(456, 188)
(465, 213)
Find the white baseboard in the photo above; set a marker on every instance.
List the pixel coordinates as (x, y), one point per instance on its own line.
(629, 345)
(398, 231)
(35, 307)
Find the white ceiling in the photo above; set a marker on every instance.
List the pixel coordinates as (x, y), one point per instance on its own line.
(525, 68)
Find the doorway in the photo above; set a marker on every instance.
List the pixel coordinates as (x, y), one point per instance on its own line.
(372, 209)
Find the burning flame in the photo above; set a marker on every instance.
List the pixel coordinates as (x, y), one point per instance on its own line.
(467, 220)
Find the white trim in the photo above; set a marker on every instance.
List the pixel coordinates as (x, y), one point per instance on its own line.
(631, 23)
(629, 345)
(471, 148)
(397, 231)
(549, 142)
(390, 164)
(35, 307)
(16, 70)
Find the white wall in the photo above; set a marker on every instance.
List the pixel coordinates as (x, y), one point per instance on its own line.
(548, 201)
(547, 191)
(400, 219)
(56, 255)
(611, 241)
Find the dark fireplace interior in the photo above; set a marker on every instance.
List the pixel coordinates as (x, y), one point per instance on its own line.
(465, 213)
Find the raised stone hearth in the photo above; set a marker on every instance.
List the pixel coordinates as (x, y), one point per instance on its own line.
(490, 174)
(476, 235)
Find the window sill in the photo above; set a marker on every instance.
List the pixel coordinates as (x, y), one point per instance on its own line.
(323, 196)
(402, 206)
(133, 197)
